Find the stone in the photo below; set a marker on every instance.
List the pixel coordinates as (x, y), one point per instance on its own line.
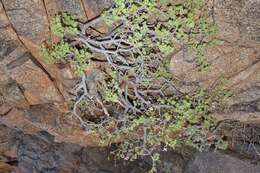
(37, 86)
(93, 8)
(219, 163)
(242, 107)
(246, 78)
(5, 168)
(248, 97)
(236, 59)
(8, 144)
(29, 19)
(40, 153)
(6, 47)
(47, 117)
(179, 66)
(4, 108)
(258, 105)
(238, 115)
(74, 7)
(17, 119)
(170, 162)
(4, 20)
(32, 92)
(14, 56)
(222, 65)
(242, 137)
(13, 95)
(29, 29)
(243, 14)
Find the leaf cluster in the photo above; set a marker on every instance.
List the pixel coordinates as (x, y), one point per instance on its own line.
(185, 122)
(65, 26)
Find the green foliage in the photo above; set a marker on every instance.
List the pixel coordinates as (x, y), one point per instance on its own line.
(81, 58)
(173, 24)
(186, 122)
(157, 120)
(46, 54)
(57, 53)
(64, 24)
(61, 52)
(56, 26)
(111, 87)
(111, 96)
(162, 71)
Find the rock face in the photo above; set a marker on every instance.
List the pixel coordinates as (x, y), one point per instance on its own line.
(8, 144)
(41, 154)
(219, 163)
(27, 81)
(75, 7)
(237, 59)
(29, 19)
(18, 66)
(95, 7)
(31, 92)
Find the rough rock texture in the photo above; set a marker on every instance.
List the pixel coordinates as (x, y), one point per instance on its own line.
(24, 82)
(245, 106)
(219, 163)
(72, 6)
(32, 79)
(8, 147)
(171, 162)
(25, 78)
(29, 23)
(95, 7)
(237, 59)
(8, 156)
(19, 67)
(40, 154)
(243, 137)
(29, 19)
(46, 117)
(31, 92)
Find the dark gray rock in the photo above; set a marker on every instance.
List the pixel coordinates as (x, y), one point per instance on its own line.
(6, 47)
(7, 143)
(244, 13)
(101, 4)
(72, 6)
(40, 154)
(171, 162)
(247, 100)
(215, 162)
